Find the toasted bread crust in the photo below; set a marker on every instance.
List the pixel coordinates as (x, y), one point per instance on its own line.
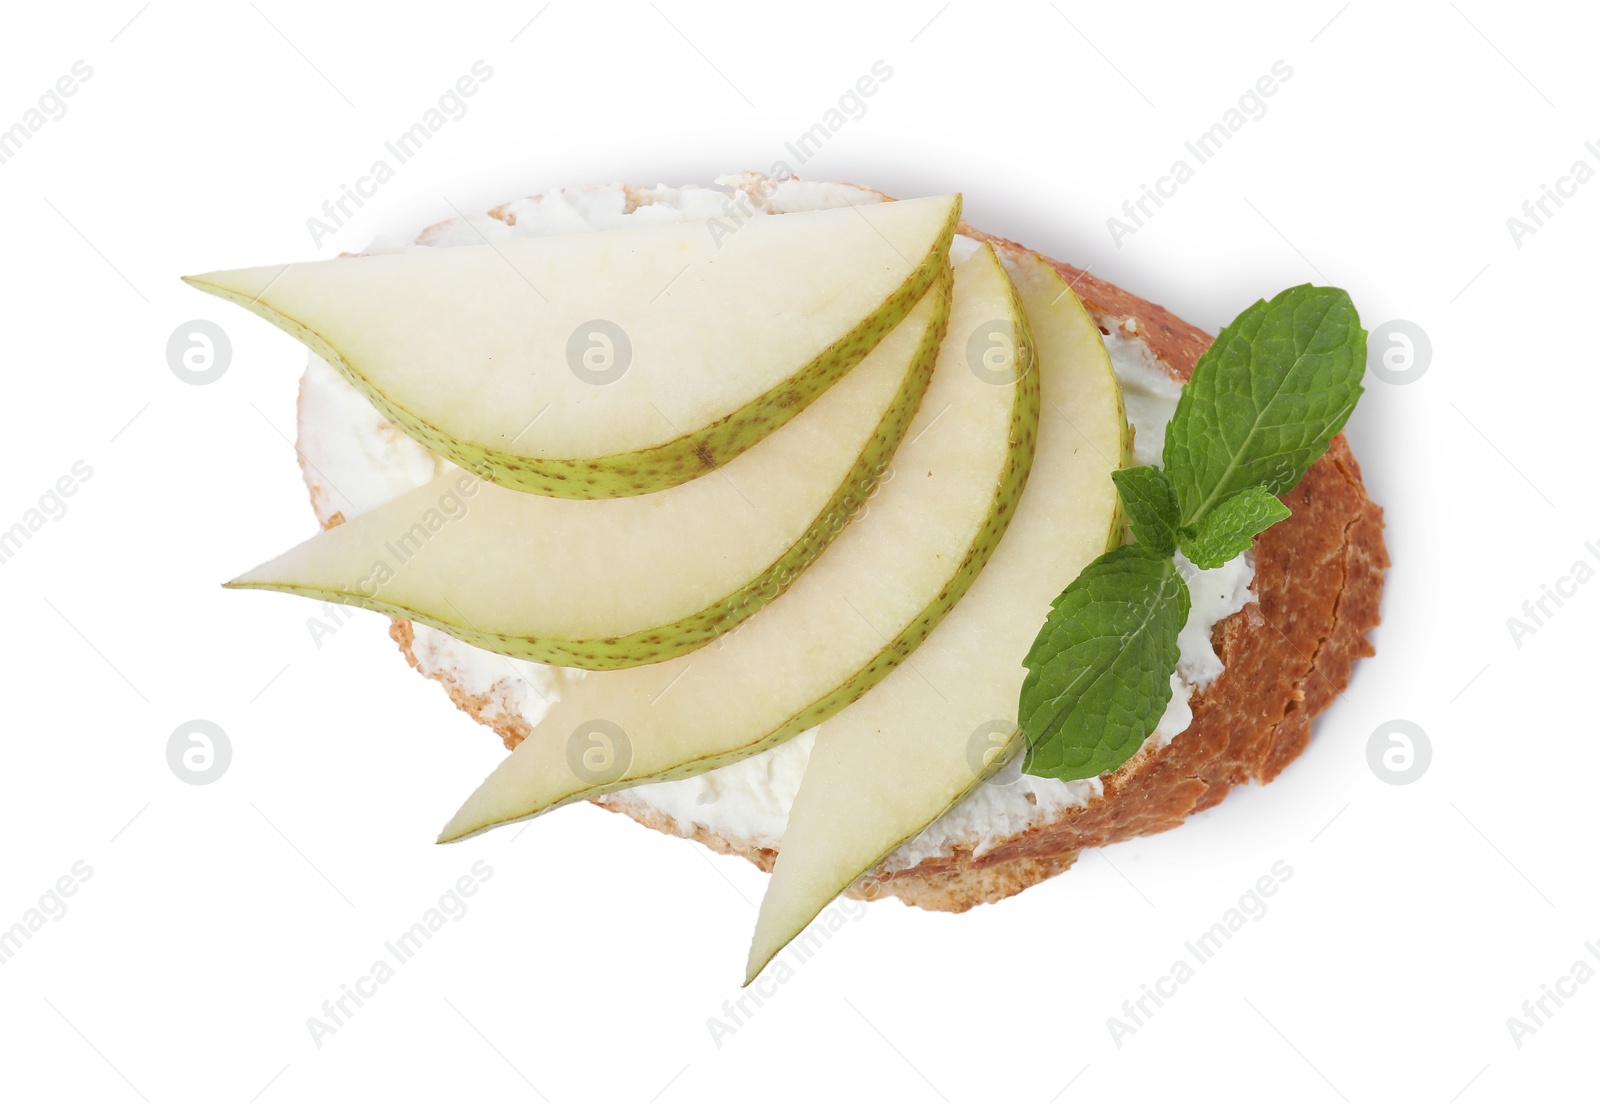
(1318, 582)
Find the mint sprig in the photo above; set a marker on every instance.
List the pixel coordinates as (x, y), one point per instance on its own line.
(1262, 404)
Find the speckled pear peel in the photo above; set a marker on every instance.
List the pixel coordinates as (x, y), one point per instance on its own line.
(608, 584)
(858, 802)
(857, 613)
(596, 366)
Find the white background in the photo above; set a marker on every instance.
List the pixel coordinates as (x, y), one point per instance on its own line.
(219, 918)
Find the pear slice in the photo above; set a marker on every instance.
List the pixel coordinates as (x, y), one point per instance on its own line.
(620, 582)
(589, 366)
(848, 621)
(910, 749)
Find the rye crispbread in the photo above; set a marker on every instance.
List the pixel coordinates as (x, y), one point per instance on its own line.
(1318, 581)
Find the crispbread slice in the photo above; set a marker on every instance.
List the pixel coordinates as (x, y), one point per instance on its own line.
(1318, 581)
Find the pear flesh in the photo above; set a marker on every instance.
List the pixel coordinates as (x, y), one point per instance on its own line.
(594, 366)
(886, 767)
(857, 613)
(621, 582)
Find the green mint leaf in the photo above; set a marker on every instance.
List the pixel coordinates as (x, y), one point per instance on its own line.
(1099, 673)
(1152, 507)
(1265, 400)
(1231, 525)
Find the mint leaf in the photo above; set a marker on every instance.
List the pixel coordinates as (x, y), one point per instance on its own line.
(1231, 525)
(1265, 399)
(1151, 506)
(1099, 673)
